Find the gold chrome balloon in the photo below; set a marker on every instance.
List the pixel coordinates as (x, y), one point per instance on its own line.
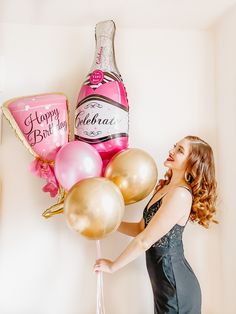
(134, 171)
(94, 207)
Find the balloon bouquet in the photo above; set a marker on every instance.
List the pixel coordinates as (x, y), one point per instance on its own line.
(95, 175)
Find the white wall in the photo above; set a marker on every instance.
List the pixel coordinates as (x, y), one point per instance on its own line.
(225, 37)
(45, 268)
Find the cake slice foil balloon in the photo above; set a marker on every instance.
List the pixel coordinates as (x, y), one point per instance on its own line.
(101, 116)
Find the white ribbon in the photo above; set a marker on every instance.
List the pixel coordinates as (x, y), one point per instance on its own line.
(100, 297)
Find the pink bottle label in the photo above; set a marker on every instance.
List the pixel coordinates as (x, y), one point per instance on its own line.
(101, 116)
(98, 119)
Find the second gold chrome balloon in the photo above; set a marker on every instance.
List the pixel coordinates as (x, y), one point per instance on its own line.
(135, 173)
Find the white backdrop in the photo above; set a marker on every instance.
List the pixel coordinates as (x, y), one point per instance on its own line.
(225, 38)
(170, 76)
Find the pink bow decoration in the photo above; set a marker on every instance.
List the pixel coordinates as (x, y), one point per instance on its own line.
(52, 188)
(43, 169)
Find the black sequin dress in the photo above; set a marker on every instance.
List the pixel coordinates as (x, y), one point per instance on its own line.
(174, 284)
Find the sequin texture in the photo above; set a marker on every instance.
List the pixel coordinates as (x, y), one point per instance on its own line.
(171, 238)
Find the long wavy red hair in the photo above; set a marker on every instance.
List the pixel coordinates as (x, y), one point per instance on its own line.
(200, 176)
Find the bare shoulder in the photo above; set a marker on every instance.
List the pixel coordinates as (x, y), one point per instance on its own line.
(180, 194)
(175, 206)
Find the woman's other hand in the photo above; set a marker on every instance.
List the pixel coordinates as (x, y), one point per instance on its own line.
(104, 265)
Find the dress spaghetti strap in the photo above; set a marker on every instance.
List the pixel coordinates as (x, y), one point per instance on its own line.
(190, 191)
(187, 188)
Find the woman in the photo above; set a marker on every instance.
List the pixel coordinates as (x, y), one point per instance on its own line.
(188, 192)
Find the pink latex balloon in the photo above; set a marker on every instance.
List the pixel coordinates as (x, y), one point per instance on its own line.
(76, 161)
(43, 121)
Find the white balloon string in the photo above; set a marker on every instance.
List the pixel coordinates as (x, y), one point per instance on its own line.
(100, 297)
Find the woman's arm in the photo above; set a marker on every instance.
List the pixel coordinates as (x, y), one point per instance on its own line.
(176, 204)
(131, 228)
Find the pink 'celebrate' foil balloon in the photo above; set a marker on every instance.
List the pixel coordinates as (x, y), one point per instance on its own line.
(101, 117)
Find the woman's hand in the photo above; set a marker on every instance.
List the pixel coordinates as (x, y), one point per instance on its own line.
(104, 265)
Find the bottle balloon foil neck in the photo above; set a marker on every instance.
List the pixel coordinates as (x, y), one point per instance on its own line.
(105, 29)
(104, 59)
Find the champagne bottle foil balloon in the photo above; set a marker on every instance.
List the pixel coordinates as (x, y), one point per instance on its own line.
(101, 117)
